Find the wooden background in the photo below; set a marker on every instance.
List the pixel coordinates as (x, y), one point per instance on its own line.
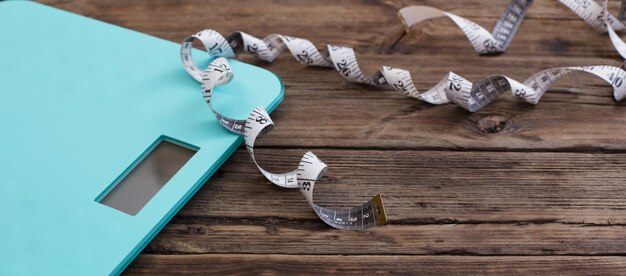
(514, 188)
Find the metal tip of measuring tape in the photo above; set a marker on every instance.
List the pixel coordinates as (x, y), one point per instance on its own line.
(379, 210)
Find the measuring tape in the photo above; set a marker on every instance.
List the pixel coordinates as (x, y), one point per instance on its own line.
(594, 14)
(483, 42)
(452, 88)
(310, 169)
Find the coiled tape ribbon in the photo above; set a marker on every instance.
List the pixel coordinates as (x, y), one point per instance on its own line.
(594, 14)
(452, 88)
(310, 168)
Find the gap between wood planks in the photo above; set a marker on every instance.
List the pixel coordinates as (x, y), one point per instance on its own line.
(314, 223)
(429, 265)
(575, 149)
(469, 240)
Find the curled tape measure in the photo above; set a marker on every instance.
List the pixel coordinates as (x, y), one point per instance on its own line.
(310, 168)
(594, 14)
(452, 88)
(483, 42)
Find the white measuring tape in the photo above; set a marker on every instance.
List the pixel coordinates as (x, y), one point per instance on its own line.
(594, 14)
(310, 168)
(483, 42)
(452, 88)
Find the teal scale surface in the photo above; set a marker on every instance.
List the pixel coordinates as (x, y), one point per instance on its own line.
(82, 103)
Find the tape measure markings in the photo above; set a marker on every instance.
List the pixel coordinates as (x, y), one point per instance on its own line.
(310, 168)
(452, 88)
(593, 14)
(481, 40)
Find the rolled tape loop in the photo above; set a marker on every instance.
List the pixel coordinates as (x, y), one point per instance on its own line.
(595, 14)
(452, 88)
(309, 170)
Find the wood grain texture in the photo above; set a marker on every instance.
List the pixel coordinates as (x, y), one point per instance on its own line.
(511, 189)
(189, 236)
(242, 264)
(421, 187)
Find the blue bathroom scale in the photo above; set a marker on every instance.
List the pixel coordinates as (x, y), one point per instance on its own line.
(104, 137)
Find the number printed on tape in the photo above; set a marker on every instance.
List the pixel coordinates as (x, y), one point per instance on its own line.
(452, 88)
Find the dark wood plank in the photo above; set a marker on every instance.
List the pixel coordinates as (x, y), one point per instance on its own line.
(549, 27)
(423, 187)
(323, 21)
(352, 115)
(438, 203)
(274, 236)
(241, 264)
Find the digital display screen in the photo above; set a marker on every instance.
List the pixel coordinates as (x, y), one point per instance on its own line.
(139, 185)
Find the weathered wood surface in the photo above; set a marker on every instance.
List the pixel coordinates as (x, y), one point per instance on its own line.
(512, 189)
(220, 264)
